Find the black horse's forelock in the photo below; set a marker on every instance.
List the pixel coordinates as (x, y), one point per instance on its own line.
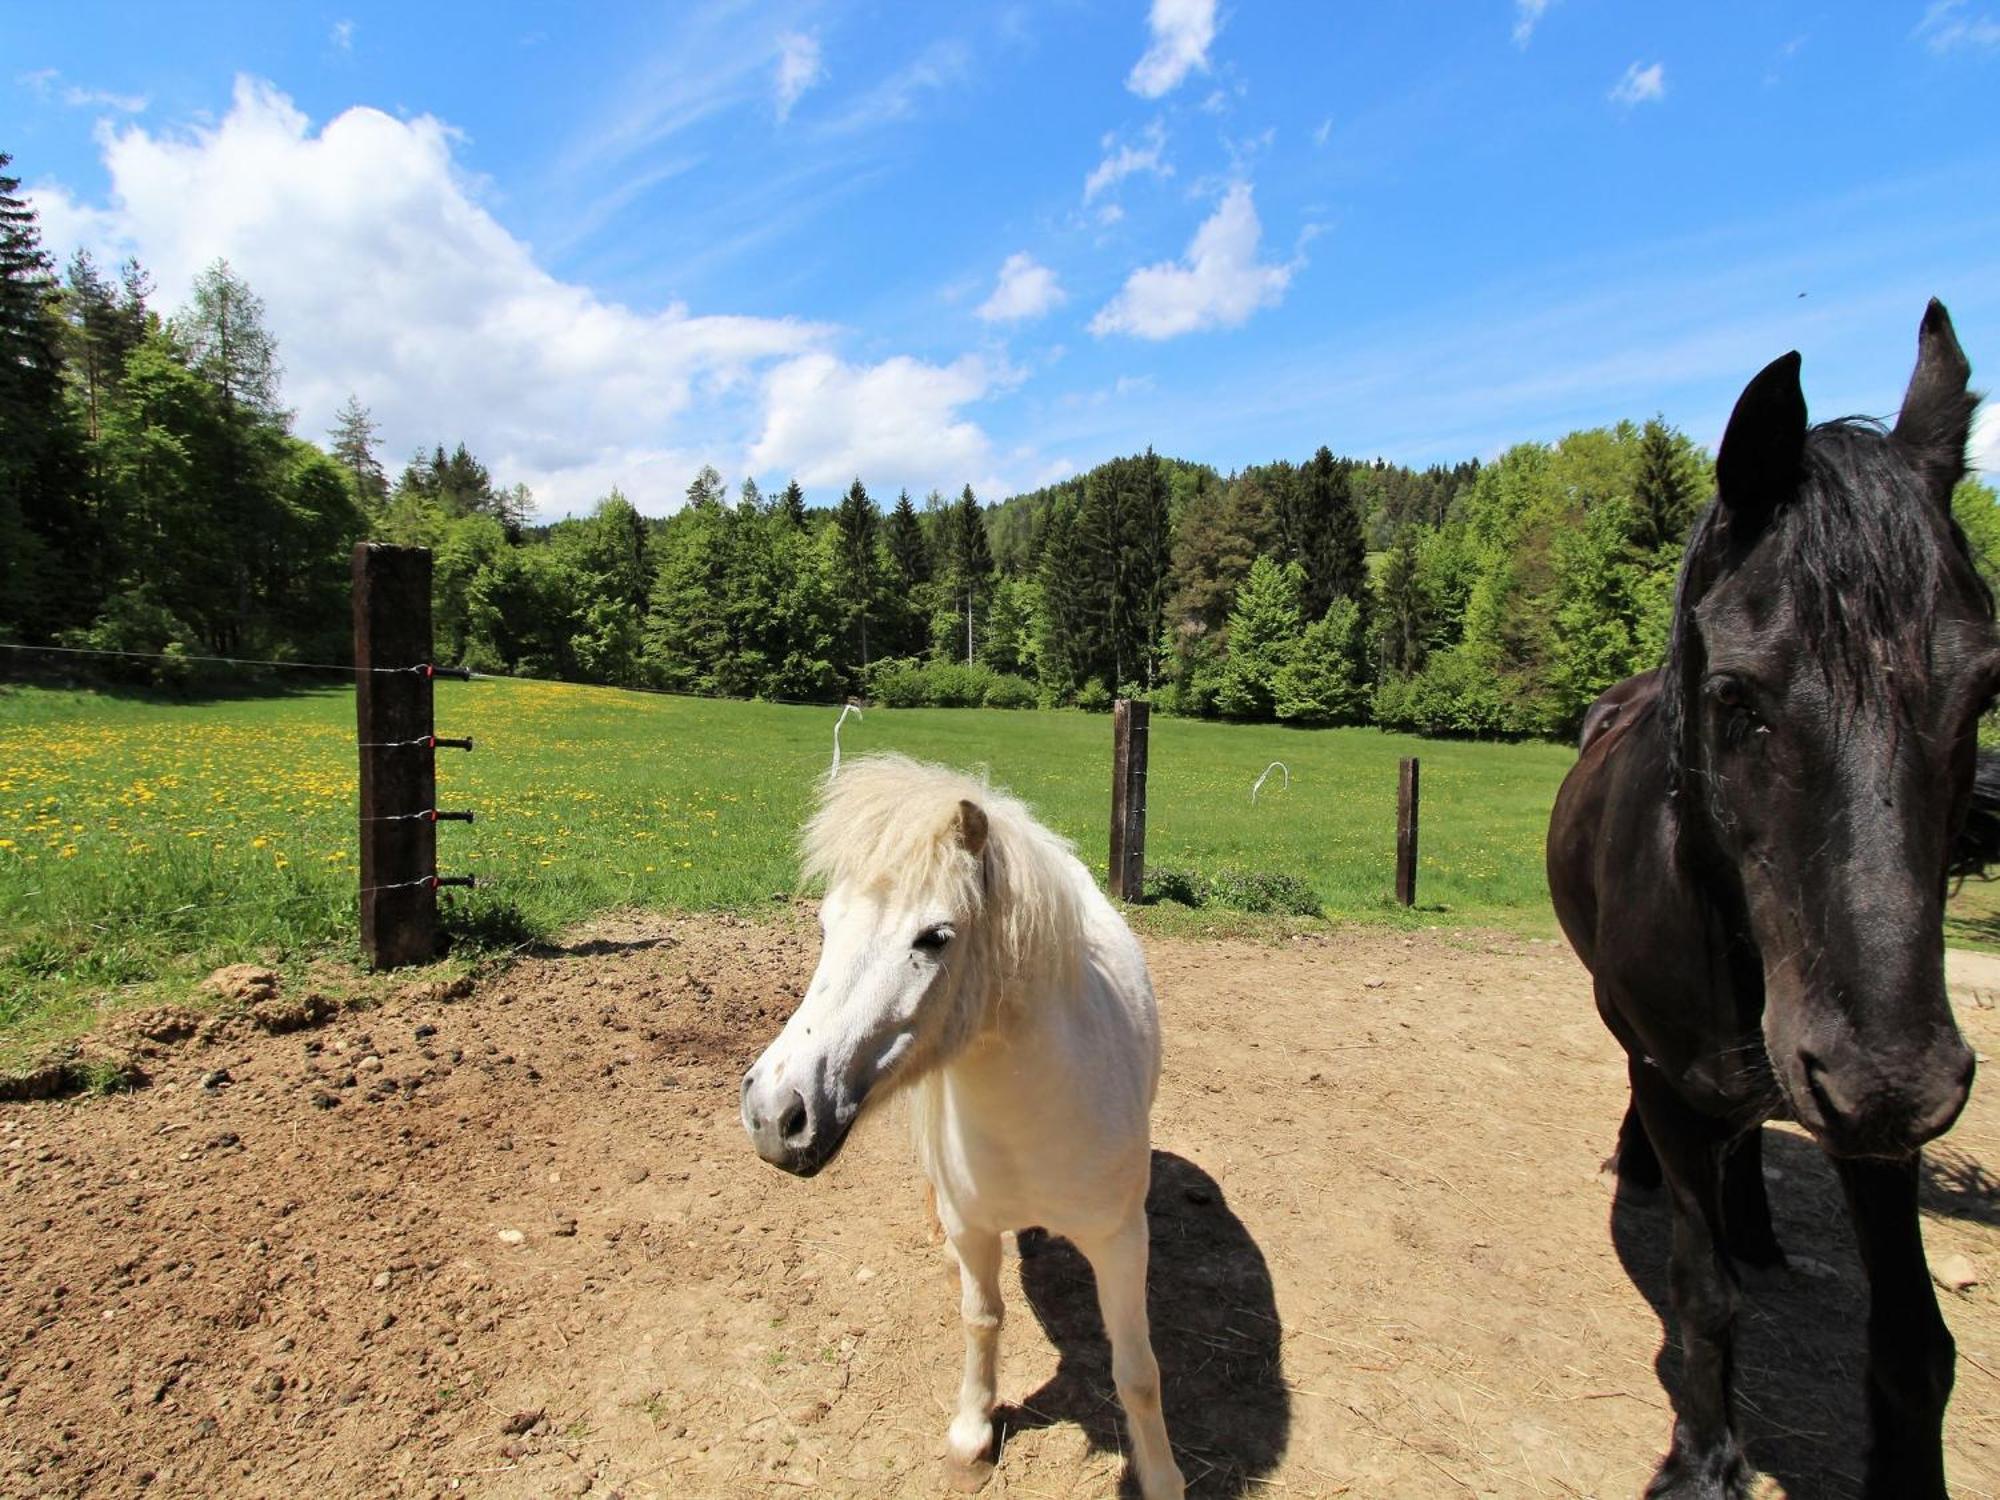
(1862, 557)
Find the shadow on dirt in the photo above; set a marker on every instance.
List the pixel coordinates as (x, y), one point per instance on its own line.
(1215, 1331)
(1802, 1344)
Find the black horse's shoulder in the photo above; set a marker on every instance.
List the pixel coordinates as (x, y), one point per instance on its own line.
(1619, 704)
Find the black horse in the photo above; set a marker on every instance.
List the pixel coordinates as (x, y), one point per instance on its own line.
(1751, 856)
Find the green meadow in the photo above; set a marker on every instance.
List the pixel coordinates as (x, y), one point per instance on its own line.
(145, 842)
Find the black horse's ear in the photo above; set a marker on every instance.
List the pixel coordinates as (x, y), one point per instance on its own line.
(1758, 467)
(1936, 418)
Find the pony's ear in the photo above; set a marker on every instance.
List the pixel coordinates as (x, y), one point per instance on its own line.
(1757, 468)
(1936, 418)
(972, 828)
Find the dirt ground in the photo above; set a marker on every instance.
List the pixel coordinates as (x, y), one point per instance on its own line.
(514, 1243)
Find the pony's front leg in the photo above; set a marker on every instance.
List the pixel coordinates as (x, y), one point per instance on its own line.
(1119, 1262)
(1706, 1461)
(1910, 1351)
(970, 1440)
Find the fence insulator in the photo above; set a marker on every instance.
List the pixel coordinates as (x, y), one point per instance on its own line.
(469, 882)
(450, 817)
(442, 744)
(431, 669)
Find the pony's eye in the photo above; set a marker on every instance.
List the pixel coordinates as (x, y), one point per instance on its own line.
(931, 939)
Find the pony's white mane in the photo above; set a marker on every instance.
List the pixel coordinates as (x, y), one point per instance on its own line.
(891, 824)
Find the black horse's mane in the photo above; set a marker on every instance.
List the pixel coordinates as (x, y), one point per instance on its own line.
(1862, 556)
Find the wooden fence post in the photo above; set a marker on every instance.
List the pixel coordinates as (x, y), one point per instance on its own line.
(1406, 834)
(392, 629)
(1128, 799)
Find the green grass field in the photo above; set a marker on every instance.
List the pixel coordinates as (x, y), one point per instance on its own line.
(143, 843)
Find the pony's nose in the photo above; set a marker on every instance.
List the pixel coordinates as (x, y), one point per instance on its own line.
(780, 1124)
(792, 1124)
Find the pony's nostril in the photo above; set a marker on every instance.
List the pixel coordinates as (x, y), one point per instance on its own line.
(793, 1123)
(747, 1079)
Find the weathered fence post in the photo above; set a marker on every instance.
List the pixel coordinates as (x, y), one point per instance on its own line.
(392, 630)
(1406, 834)
(1128, 799)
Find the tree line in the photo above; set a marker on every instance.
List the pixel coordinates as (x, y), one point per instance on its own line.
(153, 498)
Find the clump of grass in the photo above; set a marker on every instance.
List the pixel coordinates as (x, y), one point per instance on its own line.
(1259, 891)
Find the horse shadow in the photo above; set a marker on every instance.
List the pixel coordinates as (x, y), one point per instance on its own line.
(1802, 1332)
(1215, 1331)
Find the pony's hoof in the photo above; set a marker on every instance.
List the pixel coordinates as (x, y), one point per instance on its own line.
(968, 1476)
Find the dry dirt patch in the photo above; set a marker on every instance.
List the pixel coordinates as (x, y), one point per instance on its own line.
(514, 1244)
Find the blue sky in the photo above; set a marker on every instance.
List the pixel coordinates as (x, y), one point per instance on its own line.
(940, 244)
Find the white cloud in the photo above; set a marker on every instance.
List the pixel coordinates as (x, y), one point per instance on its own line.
(1527, 14)
(383, 276)
(1219, 283)
(1128, 159)
(1182, 31)
(1026, 289)
(1322, 131)
(1948, 27)
(1640, 85)
(342, 35)
(47, 84)
(895, 424)
(1985, 446)
(799, 68)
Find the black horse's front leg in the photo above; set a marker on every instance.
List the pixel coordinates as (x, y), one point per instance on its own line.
(1910, 1351)
(1706, 1462)
(1746, 1205)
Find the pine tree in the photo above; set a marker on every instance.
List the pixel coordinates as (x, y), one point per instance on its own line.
(792, 504)
(857, 520)
(354, 437)
(749, 500)
(227, 344)
(33, 429)
(907, 571)
(1664, 489)
(971, 569)
(1066, 643)
(704, 491)
(909, 554)
(1264, 631)
(1404, 621)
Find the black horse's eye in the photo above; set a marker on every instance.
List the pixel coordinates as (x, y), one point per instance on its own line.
(1739, 720)
(931, 939)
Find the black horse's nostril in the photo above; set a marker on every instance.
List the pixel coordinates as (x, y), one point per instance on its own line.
(793, 1124)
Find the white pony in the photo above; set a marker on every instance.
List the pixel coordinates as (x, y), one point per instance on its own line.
(969, 958)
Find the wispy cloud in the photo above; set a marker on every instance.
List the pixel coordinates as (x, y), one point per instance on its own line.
(1322, 131)
(342, 35)
(1126, 159)
(46, 83)
(1026, 289)
(937, 68)
(799, 68)
(1640, 85)
(1527, 15)
(1950, 26)
(1218, 283)
(1182, 33)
